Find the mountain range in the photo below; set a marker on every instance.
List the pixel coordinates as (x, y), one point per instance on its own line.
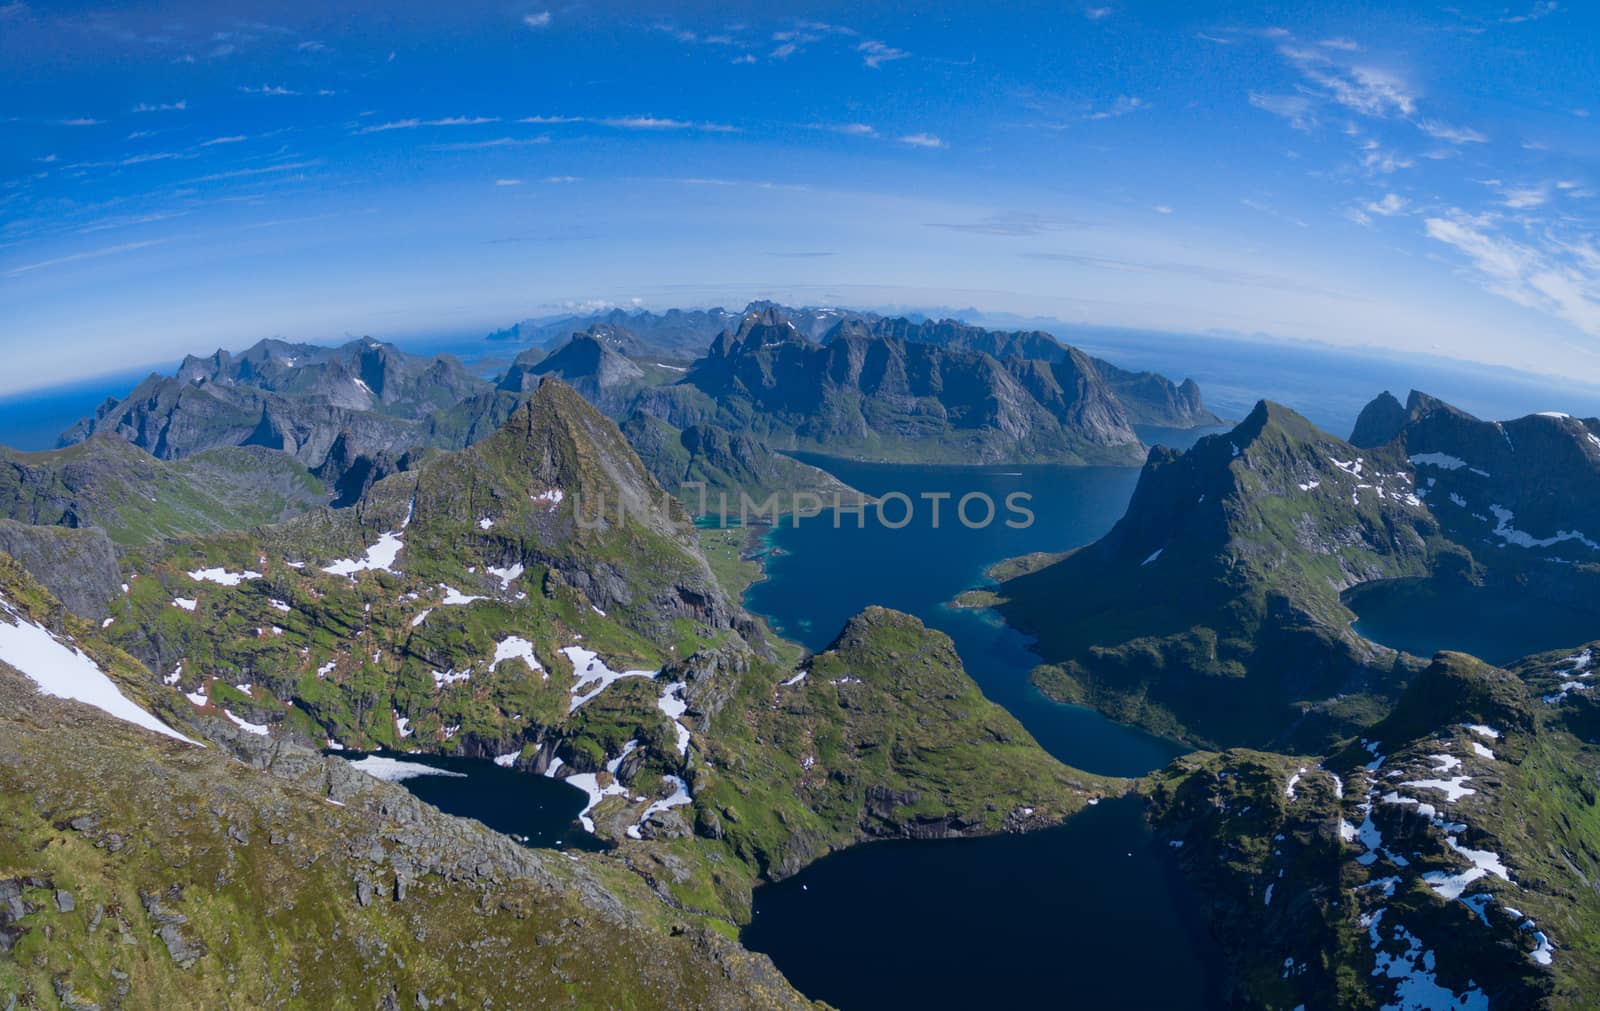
(399, 557)
(773, 380)
(1218, 606)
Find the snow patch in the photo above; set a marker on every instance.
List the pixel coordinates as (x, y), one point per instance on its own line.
(679, 797)
(66, 672)
(259, 729)
(1504, 518)
(379, 558)
(673, 704)
(514, 647)
(591, 671)
(394, 770)
(222, 577)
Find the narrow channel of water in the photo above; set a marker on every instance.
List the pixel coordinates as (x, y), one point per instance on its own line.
(1091, 913)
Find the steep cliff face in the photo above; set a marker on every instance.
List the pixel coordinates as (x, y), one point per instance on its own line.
(1212, 607)
(1379, 422)
(1513, 491)
(1144, 398)
(710, 467)
(879, 397)
(593, 364)
(322, 406)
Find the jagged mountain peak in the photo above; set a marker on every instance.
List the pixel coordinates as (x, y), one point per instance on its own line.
(765, 328)
(1379, 423)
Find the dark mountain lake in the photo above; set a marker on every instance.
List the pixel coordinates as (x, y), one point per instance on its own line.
(532, 809)
(1423, 617)
(1089, 914)
(1077, 914)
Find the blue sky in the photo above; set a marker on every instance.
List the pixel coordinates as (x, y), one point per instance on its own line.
(178, 176)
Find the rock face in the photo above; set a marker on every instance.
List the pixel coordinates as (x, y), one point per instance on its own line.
(884, 398)
(1516, 492)
(78, 566)
(1379, 422)
(725, 464)
(1212, 607)
(1445, 855)
(359, 374)
(677, 334)
(135, 498)
(300, 399)
(1146, 397)
(593, 363)
(1153, 399)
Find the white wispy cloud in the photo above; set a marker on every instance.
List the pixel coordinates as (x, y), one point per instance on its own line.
(1294, 108)
(1452, 134)
(268, 89)
(177, 106)
(246, 173)
(1525, 197)
(848, 129)
(508, 182)
(633, 123)
(415, 123)
(921, 140)
(130, 221)
(1097, 13)
(1561, 279)
(1376, 160)
(214, 141)
(90, 254)
(1162, 209)
(1544, 8)
(876, 54)
(540, 19)
(478, 145)
(1366, 89)
(1387, 206)
(1123, 105)
(81, 121)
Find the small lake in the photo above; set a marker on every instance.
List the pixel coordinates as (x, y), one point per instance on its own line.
(1080, 914)
(535, 810)
(1500, 626)
(1089, 914)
